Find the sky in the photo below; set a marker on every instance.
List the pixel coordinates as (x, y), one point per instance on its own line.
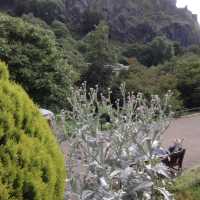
(193, 5)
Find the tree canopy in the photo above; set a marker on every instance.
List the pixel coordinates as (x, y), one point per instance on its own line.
(47, 10)
(155, 52)
(151, 81)
(35, 61)
(186, 69)
(99, 54)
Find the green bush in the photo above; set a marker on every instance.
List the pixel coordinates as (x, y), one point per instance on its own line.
(31, 163)
(4, 75)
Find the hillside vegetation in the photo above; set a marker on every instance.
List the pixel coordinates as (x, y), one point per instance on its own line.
(129, 20)
(136, 20)
(53, 44)
(35, 61)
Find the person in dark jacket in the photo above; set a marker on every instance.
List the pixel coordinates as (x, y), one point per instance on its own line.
(177, 146)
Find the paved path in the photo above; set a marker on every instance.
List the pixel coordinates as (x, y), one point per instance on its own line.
(189, 129)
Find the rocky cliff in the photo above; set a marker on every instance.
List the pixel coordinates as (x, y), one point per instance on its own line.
(138, 20)
(129, 20)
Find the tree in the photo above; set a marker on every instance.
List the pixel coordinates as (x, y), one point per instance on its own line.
(100, 57)
(70, 48)
(151, 81)
(31, 164)
(90, 20)
(155, 52)
(35, 61)
(48, 10)
(161, 50)
(60, 29)
(186, 68)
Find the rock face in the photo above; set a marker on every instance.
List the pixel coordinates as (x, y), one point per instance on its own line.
(7, 5)
(138, 20)
(129, 20)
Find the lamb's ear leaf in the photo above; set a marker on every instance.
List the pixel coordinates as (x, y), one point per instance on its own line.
(162, 170)
(147, 145)
(143, 186)
(167, 195)
(87, 194)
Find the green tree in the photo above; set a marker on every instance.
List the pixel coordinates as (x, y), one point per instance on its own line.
(35, 61)
(70, 47)
(155, 52)
(100, 57)
(47, 10)
(60, 29)
(31, 163)
(90, 19)
(187, 71)
(161, 50)
(151, 81)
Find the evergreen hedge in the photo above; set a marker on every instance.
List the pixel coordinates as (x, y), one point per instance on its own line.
(31, 163)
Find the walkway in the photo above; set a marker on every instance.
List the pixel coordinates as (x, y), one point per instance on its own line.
(189, 129)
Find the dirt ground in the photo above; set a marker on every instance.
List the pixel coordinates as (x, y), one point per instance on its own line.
(189, 129)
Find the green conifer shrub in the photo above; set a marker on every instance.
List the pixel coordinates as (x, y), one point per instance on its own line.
(4, 75)
(31, 163)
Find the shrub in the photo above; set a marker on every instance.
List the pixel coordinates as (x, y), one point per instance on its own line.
(31, 163)
(3, 71)
(113, 147)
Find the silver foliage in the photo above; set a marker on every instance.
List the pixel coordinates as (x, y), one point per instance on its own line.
(113, 160)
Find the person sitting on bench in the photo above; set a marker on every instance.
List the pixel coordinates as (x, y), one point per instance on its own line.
(176, 155)
(176, 147)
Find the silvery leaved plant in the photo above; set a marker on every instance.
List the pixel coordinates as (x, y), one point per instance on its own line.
(110, 146)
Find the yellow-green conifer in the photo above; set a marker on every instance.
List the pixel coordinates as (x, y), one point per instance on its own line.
(31, 163)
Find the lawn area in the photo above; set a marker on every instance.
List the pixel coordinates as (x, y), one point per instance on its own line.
(187, 186)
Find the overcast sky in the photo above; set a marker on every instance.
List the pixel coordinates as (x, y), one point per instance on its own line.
(193, 5)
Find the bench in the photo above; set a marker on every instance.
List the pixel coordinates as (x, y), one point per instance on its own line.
(175, 160)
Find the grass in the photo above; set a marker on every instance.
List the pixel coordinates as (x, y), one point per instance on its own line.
(187, 186)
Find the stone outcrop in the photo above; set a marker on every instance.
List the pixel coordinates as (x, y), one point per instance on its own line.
(138, 20)
(129, 20)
